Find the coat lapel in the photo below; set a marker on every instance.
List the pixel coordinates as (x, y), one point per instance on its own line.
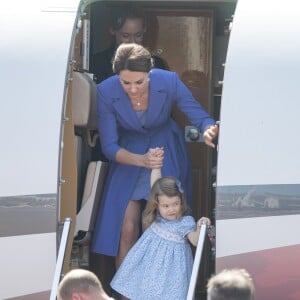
(157, 96)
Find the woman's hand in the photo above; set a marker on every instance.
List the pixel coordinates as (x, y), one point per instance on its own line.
(154, 158)
(209, 134)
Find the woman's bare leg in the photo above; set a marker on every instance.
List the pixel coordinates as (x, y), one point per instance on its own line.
(130, 229)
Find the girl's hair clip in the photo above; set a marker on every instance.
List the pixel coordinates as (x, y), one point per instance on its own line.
(179, 187)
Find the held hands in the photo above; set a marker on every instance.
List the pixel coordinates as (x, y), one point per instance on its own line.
(209, 134)
(154, 158)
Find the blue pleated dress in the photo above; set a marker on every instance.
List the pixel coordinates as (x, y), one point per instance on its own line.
(159, 265)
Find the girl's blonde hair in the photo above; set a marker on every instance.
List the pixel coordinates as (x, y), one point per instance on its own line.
(168, 186)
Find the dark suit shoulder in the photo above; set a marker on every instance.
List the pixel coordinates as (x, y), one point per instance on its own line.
(159, 63)
(101, 64)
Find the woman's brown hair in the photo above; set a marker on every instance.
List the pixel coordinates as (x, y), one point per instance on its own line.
(132, 57)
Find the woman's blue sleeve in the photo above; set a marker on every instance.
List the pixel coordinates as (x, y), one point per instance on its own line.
(194, 111)
(107, 125)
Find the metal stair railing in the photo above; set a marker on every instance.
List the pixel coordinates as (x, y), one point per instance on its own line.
(60, 257)
(196, 265)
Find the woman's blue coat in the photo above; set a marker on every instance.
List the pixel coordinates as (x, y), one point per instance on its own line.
(119, 127)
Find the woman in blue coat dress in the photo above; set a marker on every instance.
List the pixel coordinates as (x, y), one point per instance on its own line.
(134, 115)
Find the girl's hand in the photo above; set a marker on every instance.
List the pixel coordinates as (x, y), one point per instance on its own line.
(209, 134)
(193, 236)
(157, 152)
(203, 220)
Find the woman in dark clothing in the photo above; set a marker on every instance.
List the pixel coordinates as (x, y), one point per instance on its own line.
(127, 26)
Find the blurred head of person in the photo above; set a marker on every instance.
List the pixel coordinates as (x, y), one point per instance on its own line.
(128, 25)
(231, 284)
(80, 284)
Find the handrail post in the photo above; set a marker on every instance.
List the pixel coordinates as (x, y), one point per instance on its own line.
(196, 265)
(60, 257)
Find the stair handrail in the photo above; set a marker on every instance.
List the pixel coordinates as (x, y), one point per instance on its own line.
(60, 257)
(196, 265)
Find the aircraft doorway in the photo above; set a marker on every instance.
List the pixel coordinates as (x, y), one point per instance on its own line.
(184, 36)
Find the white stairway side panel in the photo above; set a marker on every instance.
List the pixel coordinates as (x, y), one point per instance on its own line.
(35, 258)
(260, 108)
(238, 236)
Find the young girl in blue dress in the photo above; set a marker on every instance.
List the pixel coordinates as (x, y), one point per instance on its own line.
(159, 265)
